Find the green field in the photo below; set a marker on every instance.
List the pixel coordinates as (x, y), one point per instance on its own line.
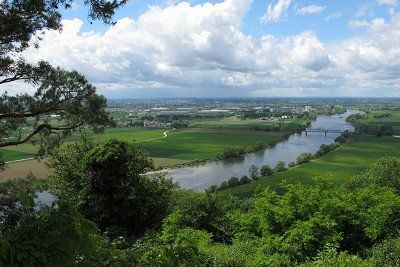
(190, 144)
(393, 121)
(139, 134)
(351, 158)
(178, 147)
(234, 123)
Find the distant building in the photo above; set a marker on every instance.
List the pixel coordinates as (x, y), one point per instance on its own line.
(215, 111)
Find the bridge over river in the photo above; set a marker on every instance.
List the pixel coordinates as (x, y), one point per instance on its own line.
(325, 131)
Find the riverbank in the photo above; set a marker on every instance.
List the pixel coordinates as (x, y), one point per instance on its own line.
(350, 159)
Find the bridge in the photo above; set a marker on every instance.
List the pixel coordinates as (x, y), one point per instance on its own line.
(325, 131)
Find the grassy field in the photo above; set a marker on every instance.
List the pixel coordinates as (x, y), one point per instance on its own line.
(234, 123)
(178, 147)
(351, 158)
(190, 144)
(127, 134)
(393, 121)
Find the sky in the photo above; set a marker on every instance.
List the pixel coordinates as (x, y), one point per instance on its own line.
(233, 48)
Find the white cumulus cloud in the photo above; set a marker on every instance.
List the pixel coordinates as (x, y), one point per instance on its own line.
(202, 49)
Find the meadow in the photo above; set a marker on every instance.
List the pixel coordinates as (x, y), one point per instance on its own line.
(393, 120)
(235, 123)
(351, 158)
(190, 144)
(180, 146)
(133, 134)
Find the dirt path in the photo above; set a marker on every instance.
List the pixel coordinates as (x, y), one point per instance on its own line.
(165, 134)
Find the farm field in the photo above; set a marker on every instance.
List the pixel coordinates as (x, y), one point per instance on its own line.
(178, 147)
(138, 134)
(351, 158)
(393, 121)
(234, 123)
(191, 144)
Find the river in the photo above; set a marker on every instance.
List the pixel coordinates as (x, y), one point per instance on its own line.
(214, 173)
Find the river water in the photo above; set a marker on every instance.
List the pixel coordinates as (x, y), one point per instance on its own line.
(214, 173)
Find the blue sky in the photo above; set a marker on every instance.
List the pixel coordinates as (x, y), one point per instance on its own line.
(330, 24)
(234, 48)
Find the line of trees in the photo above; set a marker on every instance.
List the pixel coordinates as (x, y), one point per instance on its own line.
(359, 121)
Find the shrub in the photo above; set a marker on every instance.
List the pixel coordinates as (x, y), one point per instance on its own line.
(266, 170)
(253, 171)
(279, 167)
(304, 158)
(244, 180)
(292, 164)
(233, 152)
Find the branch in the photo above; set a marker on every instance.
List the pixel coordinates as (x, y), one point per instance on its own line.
(39, 129)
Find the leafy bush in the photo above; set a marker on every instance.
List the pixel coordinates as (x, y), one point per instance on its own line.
(304, 158)
(253, 171)
(232, 152)
(266, 170)
(244, 180)
(279, 167)
(54, 234)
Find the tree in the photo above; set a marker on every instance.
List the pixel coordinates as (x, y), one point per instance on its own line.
(253, 171)
(266, 170)
(64, 100)
(244, 180)
(233, 181)
(304, 158)
(280, 166)
(384, 172)
(117, 196)
(54, 234)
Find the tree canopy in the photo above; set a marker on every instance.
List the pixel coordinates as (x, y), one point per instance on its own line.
(61, 100)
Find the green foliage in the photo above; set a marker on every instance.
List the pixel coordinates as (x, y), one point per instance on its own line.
(253, 171)
(54, 234)
(63, 100)
(109, 187)
(206, 212)
(66, 164)
(244, 180)
(385, 172)
(266, 170)
(303, 221)
(360, 122)
(325, 149)
(304, 158)
(330, 257)
(387, 254)
(116, 195)
(279, 167)
(292, 164)
(233, 152)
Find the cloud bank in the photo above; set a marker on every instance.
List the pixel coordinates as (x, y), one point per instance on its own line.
(201, 50)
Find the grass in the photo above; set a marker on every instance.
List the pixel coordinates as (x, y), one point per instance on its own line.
(350, 159)
(126, 134)
(191, 144)
(178, 147)
(234, 123)
(393, 121)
